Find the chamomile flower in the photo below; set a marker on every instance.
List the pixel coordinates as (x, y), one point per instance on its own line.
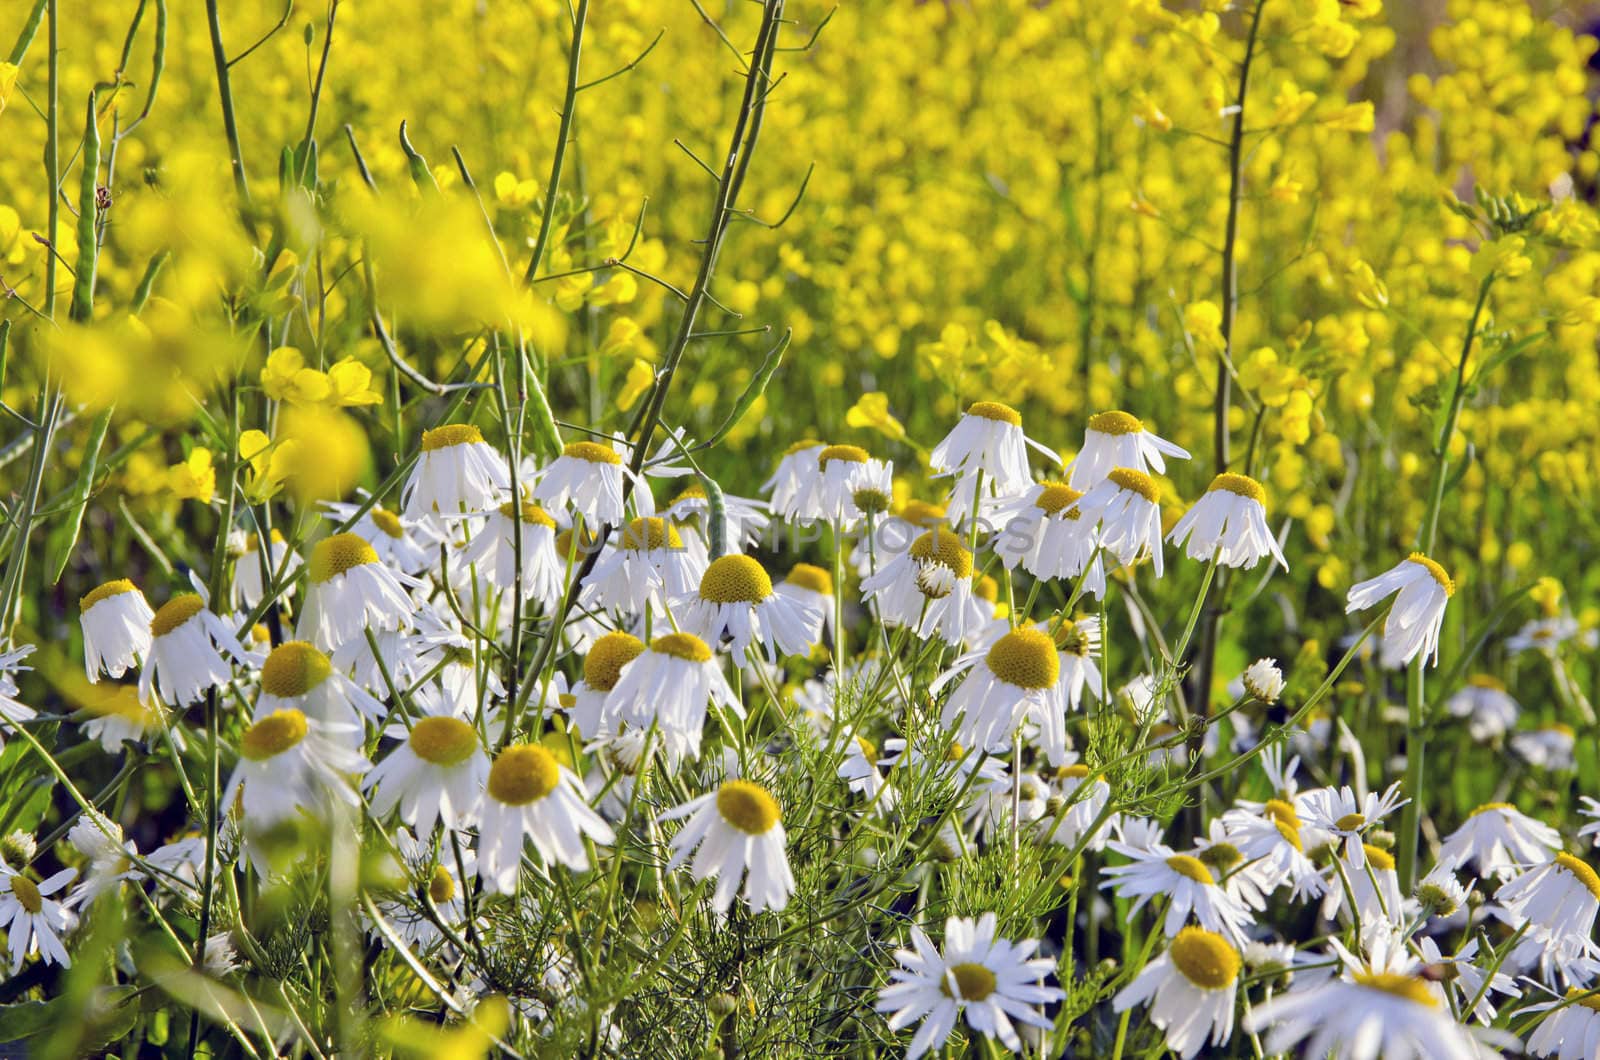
(1344, 816)
(255, 566)
(1044, 531)
(591, 711)
(669, 685)
(1229, 523)
(828, 492)
(12, 710)
(989, 980)
(291, 764)
(350, 591)
(1191, 989)
(987, 442)
(1077, 646)
(1271, 837)
(1370, 884)
(1073, 810)
(736, 600)
(455, 471)
(1550, 747)
(529, 796)
(733, 832)
(1460, 976)
(646, 568)
(588, 477)
(32, 920)
(1570, 1029)
(1116, 439)
(1016, 679)
(1562, 896)
(1499, 840)
(437, 774)
(297, 675)
(1421, 589)
(743, 518)
(116, 628)
(991, 810)
(813, 587)
(859, 770)
(1490, 710)
(1126, 507)
(794, 470)
(406, 544)
(184, 661)
(115, 714)
(1156, 869)
(928, 588)
(494, 548)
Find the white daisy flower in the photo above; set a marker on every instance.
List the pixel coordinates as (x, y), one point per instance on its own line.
(110, 856)
(1562, 895)
(531, 796)
(1044, 530)
(1192, 990)
(828, 492)
(494, 548)
(1126, 506)
(1374, 888)
(1070, 814)
(1270, 836)
(116, 714)
(1421, 589)
(1117, 439)
(456, 471)
(12, 710)
(991, 807)
(1571, 1028)
(1543, 634)
(1373, 1009)
(1017, 679)
(116, 628)
(1549, 747)
(350, 591)
(249, 580)
(989, 980)
(184, 661)
(1459, 975)
(736, 599)
(408, 545)
(743, 518)
(1488, 707)
(296, 675)
(813, 587)
(859, 770)
(1229, 522)
(291, 764)
(928, 588)
(795, 468)
(1499, 840)
(1077, 646)
(988, 440)
(1190, 889)
(588, 477)
(591, 711)
(1346, 817)
(436, 775)
(32, 920)
(1263, 681)
(669, 685)
(646, 568)
(738, 831)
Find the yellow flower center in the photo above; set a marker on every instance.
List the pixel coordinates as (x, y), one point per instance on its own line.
(1407, 986)
(921, 513)
(565, 543)
(650, 532)
(735, 579)
(253, 542)
(1287, 821)
(943, 546)
(994, 410)
(443, 741)
(1115, 422)
(387, 521)
(1581, 995)
(869, 750)
(1058, 497)
(849, 454)
(1242, 485)
(974, 982)
(528, 513)
(1350, 822)
(1190, 867)
(1485, 681)
(809, 576)
(1439, 574)
(175, 612)
(1205, 958)
(105, 592)
(27, 894)
(1581, 870)
(293, 669)
(450, 434)
(682, 646)
(593, 452)
(1135, 482)
(1378, 857)
(335, 555)
(441, 888)
(955, 752)
(747, 807)
(1486, 807)
(603, 665)
(523, 774)
(273, 735)
(1076, 771)
(1026, 658)
(801, 446)
(1071, 639)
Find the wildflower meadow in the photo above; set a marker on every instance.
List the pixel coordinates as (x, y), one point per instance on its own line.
(784, 528)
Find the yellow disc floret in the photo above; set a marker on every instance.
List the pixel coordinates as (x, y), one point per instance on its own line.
(1581, 870)
(1405, 986)
(175, 612)
(735, 579)
(1135, 482)
(105, 592)
(1378, 857)
(293, 669)
(974, 982)
(994, 410)
(387, 521)
(943, 546)
(1058, 498)
(593, 452)
(1486, 807)
(608, 655)
(1190, 867)
(1440, 575)
(443, 741)
(523, 774)
(1205, 958)
(335, 555)
(27, 894)
(528, 513)
(441, 887)
(849, 454)
(921, 513)
(450, 434)
(810, 576)
(1350, 822)
(747, 807)
(1026, 658)
(651, 532)
(682, 646)
(1242, 485)
(274, 734)
(1115, 422)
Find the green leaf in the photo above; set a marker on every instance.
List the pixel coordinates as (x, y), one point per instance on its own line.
(58, 548)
